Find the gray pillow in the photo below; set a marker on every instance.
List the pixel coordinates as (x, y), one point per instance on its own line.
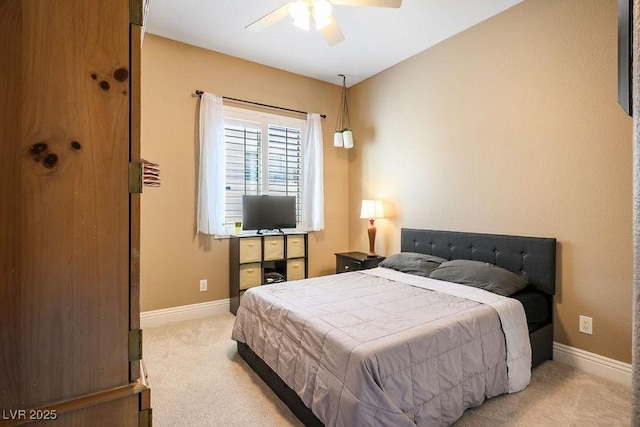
(412, 263)
(480, 275)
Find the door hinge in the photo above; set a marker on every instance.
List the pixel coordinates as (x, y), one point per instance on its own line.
(145, 418)
(135, 177)
(135, 345)
(136, 12)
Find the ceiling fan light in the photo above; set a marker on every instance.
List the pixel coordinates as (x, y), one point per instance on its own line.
(322, 22)
(302, 23)
(322, 13)
(299, 11)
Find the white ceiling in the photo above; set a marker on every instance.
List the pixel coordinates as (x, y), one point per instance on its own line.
(376, 38)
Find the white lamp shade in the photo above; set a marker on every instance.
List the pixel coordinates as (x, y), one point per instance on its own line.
(337, 139)
(371, 209)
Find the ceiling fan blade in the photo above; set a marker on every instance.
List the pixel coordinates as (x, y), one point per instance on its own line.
(269, 19)
(332, 33)
(372, 3)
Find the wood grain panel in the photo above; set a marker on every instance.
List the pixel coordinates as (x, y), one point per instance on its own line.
(10, 85)
(134, 268)
(73, 198)
(122, 412)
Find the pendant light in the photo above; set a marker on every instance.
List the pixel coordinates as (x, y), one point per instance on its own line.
(343, 137)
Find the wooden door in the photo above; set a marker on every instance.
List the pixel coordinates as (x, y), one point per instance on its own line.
(68, 296)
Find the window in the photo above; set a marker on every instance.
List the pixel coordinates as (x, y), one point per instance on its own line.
(268, 154)
(263, 155)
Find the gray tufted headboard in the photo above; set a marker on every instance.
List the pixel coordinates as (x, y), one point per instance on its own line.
(535, 256)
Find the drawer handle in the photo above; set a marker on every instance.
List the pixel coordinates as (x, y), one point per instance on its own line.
(249, 270)
(251, 244)
(273, 243)
(295, 266)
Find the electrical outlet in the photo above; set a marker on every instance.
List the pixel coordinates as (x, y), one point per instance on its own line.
(586, 325)
(203, 285)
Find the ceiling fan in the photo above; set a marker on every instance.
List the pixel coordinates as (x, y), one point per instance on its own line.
(320, 10)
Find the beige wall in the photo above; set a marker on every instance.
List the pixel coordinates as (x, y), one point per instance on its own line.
(512, 127)
(173, 257)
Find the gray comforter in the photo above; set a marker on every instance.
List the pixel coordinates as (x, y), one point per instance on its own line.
(361, 349)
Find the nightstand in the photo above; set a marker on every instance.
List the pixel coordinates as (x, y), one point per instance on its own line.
(352, 261)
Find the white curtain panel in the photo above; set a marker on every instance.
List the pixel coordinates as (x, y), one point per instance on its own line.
(636, 215)
(211, 190)
(312, 182)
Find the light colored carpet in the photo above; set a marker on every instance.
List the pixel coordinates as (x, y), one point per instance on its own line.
(197, 378)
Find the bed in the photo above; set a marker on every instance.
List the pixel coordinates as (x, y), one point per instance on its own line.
(386, 347)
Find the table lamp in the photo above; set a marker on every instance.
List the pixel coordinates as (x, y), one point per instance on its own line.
(371, 209)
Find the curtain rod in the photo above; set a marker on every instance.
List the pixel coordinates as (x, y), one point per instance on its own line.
(199, 93)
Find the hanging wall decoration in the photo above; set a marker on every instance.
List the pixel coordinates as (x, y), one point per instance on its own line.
(343, 137)
(150, 173)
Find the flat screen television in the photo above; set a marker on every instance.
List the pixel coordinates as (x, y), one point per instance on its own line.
(268, 212)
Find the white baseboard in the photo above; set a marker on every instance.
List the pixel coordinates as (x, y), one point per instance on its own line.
(595, 364)
(150, 319)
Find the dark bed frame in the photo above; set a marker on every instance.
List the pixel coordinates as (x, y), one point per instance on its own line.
(534, 256)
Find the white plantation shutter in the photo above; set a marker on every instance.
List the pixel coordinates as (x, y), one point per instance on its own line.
(243, 166)
(285, 164)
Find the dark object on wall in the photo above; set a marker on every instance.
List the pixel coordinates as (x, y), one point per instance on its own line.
(625, 54)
